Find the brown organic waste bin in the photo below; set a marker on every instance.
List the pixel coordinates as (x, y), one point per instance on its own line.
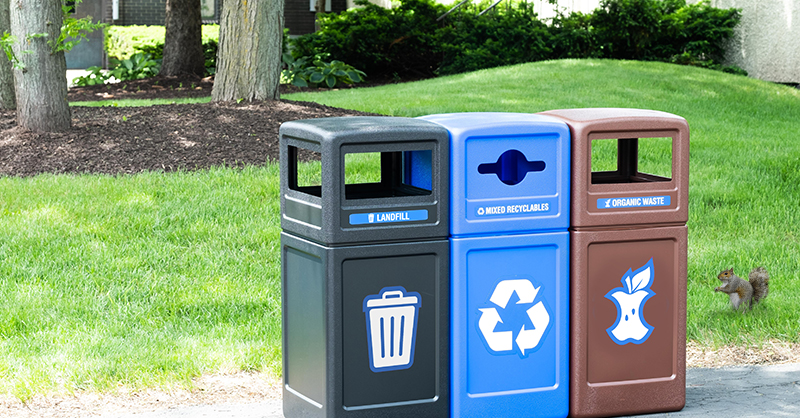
(628, 236)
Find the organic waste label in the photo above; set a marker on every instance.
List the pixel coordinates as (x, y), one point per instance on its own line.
(388, 217)
(633, 202)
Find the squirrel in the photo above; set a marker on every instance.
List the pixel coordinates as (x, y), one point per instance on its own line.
(743, 292)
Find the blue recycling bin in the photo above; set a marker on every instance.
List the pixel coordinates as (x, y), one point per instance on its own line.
(509, 249)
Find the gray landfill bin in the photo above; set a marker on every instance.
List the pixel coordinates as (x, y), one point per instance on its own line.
(365, 267)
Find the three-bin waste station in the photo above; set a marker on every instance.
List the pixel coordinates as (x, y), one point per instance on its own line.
(484, 264)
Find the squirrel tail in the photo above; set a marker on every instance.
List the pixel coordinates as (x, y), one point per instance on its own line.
(759, 279)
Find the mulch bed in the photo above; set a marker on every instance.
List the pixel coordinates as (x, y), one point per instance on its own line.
(115, 140)
(158, 87)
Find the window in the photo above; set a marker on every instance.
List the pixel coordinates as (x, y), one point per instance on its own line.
(313, 5)
(208, 11)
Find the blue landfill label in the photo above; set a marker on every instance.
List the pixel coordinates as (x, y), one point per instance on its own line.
(513, 209)
(389, 217)
(633, 202)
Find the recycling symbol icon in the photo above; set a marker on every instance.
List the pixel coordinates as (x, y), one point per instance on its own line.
(527, 338)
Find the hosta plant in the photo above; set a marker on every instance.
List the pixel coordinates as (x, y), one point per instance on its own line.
(315, 71)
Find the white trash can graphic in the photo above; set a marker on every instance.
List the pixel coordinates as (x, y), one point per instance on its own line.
(391, 328)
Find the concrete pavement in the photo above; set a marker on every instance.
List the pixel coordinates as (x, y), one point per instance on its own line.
(741, 392)
(728, 392)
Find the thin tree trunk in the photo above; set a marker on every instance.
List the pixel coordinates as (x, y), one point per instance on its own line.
(249, 57)
(319, 8)
(183, 42)
(41, 86)
(7, 99)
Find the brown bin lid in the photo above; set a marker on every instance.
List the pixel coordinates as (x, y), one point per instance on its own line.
(626, 196)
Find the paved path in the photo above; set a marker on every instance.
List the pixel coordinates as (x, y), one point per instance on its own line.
(729, 392)
(741, 392)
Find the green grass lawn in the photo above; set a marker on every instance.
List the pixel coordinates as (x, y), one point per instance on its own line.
(155, 278)
(744, 193)
(141, 102)
(144, 280)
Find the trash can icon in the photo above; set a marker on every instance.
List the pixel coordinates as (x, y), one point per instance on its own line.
(392, 328)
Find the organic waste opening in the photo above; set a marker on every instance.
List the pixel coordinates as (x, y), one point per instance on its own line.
(631, 160)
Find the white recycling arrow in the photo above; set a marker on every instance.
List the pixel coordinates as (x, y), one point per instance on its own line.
(529, 338)
(498, 341)
(524, 288)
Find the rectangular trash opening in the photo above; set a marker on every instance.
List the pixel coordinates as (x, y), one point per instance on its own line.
(370, 175)
(305, 171)
(630, 160)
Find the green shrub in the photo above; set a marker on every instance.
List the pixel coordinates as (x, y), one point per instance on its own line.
(703, 30)
(210, 48)
(509, 36)
(627, 29)
(573, 36)
(663, 30)
(408, 41)
(399, 41)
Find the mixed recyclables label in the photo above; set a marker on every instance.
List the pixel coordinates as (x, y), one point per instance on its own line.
(535, 207)
(633, 202)
(389, 217)
(524, 208)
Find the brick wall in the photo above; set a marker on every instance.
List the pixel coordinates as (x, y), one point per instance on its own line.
(297, 15)
(147, 12)
(142, 12)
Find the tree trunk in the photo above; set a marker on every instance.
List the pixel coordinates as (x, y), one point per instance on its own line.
(319, 8)
(7, 99)
(41, 86)
(249, 57)
(183, 42)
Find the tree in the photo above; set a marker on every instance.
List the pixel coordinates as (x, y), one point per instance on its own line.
(7, 99)
(249, 57)
(183, 44)
(40, 81)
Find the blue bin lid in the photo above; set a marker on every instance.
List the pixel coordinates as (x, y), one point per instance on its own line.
(509, 172)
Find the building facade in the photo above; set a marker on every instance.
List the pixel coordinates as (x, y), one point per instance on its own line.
(299, 15)
(767, 41)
